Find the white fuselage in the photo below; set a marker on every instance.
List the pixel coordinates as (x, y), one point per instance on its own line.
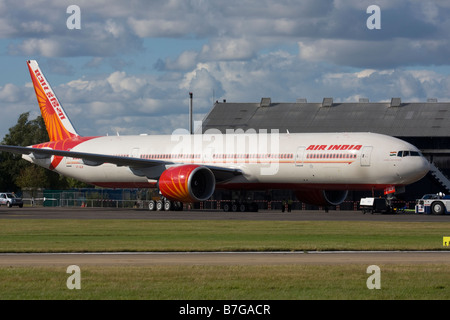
(338, 161)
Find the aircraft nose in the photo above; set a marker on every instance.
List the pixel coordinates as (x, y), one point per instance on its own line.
(425, 166)
(413, 169)
(420, 168)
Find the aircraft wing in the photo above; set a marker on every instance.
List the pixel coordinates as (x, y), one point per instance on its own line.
(137, 165)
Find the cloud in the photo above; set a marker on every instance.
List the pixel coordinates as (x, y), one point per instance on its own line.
(376, 54)
(235, 30)
(228, 49)
(121, 83)
(9, 93)
(186, 60)
(202, 82)
(95, 40)
(159, 27)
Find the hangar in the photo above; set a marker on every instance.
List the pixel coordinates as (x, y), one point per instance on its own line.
(423, 124)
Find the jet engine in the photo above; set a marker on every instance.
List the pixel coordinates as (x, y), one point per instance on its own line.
(322, 197)
(187, 183)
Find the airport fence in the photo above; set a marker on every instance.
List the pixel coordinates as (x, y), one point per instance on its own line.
(118, 198)
(138, 198)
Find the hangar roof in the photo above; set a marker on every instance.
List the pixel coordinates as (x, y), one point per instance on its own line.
(418, 119)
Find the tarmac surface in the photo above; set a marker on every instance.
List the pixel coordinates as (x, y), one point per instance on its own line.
(267, 215)
(218, 258)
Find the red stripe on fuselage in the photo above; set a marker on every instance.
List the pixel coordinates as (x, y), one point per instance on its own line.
(64, 145)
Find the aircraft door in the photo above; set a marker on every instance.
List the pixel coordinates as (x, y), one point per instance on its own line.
(299, 156)
(366, 153)
(135, 153)
(208, 155)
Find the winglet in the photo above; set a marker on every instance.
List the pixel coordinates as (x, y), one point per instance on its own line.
(58, 124)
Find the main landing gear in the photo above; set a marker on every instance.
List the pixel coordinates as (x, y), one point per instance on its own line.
(164, 204)
(239, 201)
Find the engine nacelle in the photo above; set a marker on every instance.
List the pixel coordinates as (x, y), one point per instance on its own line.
(187, 183)
(322, 197)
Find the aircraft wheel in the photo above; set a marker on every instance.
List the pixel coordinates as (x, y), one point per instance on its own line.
(437, 208)
(178, 206)
(152, 205)
(159, 205)
(242, 207)
(167, 205)
(234, 207)
(226, 207)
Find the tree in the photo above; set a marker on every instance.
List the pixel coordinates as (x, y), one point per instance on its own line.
(24, 133)
(32, 177)
(17, 173)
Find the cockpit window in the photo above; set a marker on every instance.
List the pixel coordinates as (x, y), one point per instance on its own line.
(406, 153)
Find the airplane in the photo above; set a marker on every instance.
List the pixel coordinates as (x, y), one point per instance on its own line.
(319, 167)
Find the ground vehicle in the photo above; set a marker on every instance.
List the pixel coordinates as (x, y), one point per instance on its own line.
(433, 204)
(10, 199)
(372, 205)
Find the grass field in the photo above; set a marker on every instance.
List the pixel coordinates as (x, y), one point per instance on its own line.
(282, 282)
(175, 235)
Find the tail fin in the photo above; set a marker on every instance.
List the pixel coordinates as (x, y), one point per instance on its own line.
(58, 124)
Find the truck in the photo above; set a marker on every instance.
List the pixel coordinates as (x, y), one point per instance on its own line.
(433, 204)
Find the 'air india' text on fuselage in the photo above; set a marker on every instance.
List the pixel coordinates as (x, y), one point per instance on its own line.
(334, 147)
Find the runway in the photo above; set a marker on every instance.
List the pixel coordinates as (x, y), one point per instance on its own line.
(223, 258)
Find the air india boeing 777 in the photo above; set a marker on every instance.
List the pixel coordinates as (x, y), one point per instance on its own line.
(319, 167)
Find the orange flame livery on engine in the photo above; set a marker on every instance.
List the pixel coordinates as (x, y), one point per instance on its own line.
(187, 183)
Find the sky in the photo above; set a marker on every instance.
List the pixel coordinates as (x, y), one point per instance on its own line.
(129, 67)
